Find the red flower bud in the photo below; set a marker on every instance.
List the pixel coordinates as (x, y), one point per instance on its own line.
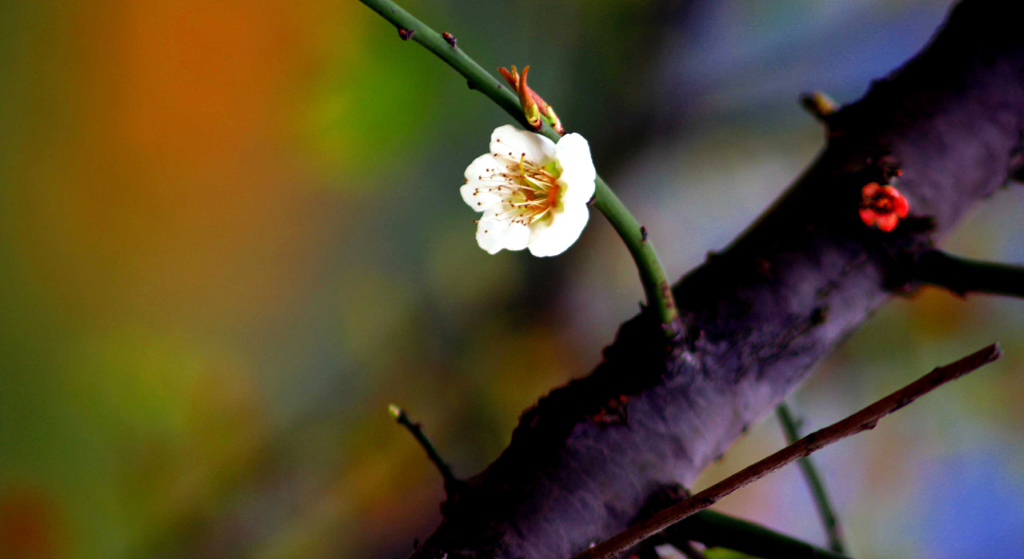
(534, 106)
(882, 206)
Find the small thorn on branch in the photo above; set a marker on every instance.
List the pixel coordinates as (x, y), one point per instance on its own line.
(856, 423)
(450, 481)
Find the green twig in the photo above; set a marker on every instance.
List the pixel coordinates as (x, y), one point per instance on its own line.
(450, 481)
(657, 289)
(963, 276)
(814, 482)
(715, 529)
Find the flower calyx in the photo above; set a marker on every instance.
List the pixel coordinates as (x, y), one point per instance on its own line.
(534, 107)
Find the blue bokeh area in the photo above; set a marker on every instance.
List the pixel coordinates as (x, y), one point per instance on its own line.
(976, 506)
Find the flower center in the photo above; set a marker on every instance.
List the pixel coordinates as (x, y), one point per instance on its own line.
(880, 202)
(529, 192)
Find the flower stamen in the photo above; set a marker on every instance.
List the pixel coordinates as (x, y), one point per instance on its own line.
(531, 191)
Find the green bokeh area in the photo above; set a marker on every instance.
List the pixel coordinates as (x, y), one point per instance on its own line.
(230, 235)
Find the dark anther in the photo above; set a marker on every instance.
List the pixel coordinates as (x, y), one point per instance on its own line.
(405, 34)
(450, 38)
(643, 233)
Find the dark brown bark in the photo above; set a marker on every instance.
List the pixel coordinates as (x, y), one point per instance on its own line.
(760, 314)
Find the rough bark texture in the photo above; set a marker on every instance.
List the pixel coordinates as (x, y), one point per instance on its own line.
(760, 314)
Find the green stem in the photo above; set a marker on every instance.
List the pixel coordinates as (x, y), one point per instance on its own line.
(715, 529)
(963, 276)
(416, 430)
(656, 286)
(657, 289)
(824, 505)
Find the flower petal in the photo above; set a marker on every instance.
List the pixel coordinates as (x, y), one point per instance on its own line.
(888, 222)
(900, 205)
(564, 229)
(479, 191)
(494, 234)
(509, 142)
(578, 173)
(868, 216)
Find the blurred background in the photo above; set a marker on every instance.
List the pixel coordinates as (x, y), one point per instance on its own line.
(230, 235)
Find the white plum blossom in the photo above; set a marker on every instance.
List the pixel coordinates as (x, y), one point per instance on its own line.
(533, 193)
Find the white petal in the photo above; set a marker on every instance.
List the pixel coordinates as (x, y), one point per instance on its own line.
(578, 171)
(494, 234)
(479, 190)
(564, 229)
(509, 142)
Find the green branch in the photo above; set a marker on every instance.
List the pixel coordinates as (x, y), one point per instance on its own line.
(824, 505)
(451, 482)
(963, 276)
(657, 289)
(715, 529)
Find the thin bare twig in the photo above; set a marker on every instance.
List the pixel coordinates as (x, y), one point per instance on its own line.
(814, 482)
(963, 276)
(863, 420)
(450, 481)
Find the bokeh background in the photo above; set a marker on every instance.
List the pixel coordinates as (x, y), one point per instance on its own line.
(230, 235)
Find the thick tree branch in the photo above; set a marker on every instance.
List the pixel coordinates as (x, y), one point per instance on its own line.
(760, 314)
(817, 487)
(963, 276)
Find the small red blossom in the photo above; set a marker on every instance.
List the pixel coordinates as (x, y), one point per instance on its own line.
(882, 206)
